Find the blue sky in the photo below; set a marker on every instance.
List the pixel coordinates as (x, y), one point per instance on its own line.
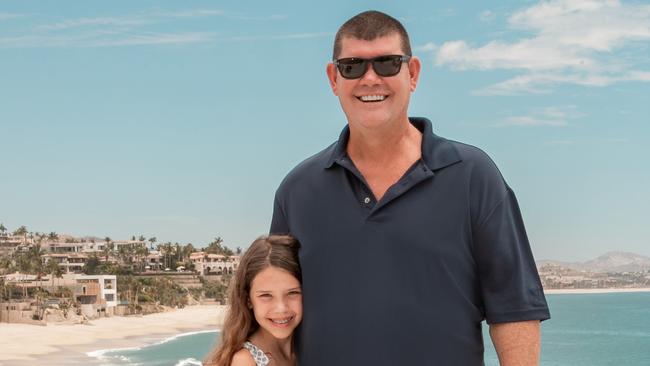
(179, 119)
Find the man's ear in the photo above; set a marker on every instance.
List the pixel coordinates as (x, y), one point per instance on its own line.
(331, 76)
(414, 72)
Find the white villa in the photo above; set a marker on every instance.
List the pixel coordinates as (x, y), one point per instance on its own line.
(98, 289)
(205, 263)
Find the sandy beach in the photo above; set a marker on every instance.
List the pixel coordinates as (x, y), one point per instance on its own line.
(23, 344)
(596, 290)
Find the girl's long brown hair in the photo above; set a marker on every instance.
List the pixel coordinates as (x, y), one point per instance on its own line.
(276, 250)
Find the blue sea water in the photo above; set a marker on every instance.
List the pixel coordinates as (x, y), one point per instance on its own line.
(585, 329)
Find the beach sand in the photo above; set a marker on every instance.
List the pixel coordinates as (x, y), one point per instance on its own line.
(22, 344)
(596, 290)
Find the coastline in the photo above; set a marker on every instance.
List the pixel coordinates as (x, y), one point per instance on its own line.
(22, 344)
(594, 290)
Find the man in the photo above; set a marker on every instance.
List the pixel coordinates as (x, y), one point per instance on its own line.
(408, 240)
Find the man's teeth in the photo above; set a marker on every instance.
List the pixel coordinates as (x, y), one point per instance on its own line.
(372, 98)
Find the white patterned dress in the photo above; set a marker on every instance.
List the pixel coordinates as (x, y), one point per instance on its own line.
(261, 359)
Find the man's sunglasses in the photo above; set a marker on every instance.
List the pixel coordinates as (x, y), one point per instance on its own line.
(354, 67)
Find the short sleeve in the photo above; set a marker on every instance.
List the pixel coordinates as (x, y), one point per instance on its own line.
(279, 224)
(510, 285)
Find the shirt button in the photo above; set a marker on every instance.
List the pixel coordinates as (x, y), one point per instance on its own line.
(366, 200)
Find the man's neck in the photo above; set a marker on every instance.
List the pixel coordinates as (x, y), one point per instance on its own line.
(383, 146)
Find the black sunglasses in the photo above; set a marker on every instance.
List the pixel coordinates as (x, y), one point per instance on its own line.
(354, 67)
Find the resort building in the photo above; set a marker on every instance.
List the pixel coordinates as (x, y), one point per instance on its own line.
(16, 312)
(83, 247)
(91, 246)
(129, 243)
(73, 262)
(9, 243)
(154, 261)
(96, 294)
(206, 264)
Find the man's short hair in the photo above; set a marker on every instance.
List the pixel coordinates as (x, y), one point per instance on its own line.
(368, 26)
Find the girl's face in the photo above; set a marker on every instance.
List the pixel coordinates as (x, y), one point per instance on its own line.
(276, 298)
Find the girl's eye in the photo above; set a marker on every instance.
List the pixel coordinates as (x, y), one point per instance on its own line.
(295, 293)
(267, 296)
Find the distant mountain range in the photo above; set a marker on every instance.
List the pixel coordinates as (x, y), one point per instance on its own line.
(608, 262)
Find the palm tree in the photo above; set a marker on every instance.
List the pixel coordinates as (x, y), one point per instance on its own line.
(22, 231)
(122, 254)
(108, 248)
(152, 240)
(6, 265)
(141, 253)
(92, 265)
(167, 250)
(35, 254)
(53, 269)
(3, 229)
(187, 250)
(52, 237)
(178, 254)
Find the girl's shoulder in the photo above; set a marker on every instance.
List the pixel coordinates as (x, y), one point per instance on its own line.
(259, 357)
(243, 357)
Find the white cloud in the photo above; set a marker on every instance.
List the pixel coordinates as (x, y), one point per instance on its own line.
(428, 47)
(276, 37)
(588, 141)
(5, 16)
(540, 82)
(533, 54)
(154, 39)
(112, 39)
(133, 20)
(193, 13)
(133, 30)
(104, 39)
(549, 116)
(573, 42)
(95, 22)
(486, 16)
(560, 142)
(533, 121)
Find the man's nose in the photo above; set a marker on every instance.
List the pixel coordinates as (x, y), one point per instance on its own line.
(370, 77)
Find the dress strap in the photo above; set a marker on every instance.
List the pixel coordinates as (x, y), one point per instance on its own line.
(261, 359)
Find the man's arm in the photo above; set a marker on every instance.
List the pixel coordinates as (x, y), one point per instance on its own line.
(517, 343)
(279, 223)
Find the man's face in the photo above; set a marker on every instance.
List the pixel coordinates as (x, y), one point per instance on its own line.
(392, 93)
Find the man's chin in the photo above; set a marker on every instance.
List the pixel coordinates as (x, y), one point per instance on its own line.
(371, 121)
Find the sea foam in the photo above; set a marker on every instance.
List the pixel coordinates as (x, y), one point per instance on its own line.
(189, 362)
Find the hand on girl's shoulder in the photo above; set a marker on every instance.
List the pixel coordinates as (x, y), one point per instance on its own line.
(242, 358)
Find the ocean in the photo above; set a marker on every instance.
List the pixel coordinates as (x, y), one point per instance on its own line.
(585, 329)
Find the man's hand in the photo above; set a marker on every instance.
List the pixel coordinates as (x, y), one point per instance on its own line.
(517, 343)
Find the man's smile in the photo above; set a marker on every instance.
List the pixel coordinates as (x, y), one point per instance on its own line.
(372, 98)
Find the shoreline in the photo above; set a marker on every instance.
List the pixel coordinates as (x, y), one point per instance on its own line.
(22, 344)
(568, 291)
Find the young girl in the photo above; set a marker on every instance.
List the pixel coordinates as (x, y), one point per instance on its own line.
(265, 307)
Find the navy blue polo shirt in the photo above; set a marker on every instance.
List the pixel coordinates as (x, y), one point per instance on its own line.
(406, 280)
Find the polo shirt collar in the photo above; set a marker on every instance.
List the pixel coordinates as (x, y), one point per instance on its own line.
(437, 152)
